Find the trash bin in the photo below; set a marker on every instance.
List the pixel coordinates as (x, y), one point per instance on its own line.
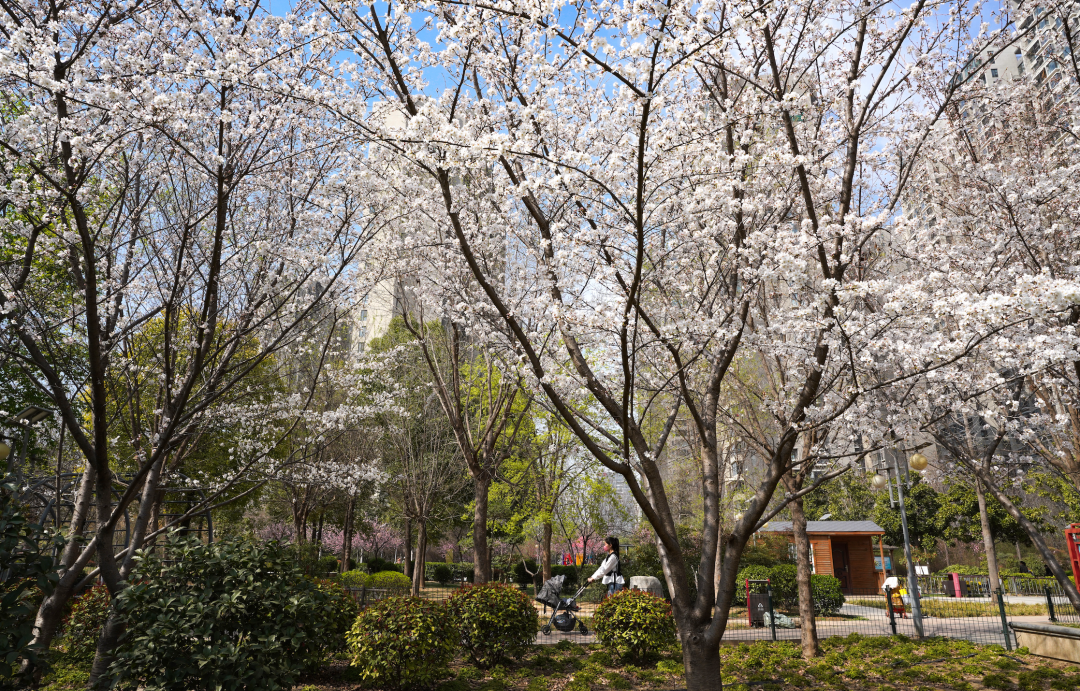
(757, 605)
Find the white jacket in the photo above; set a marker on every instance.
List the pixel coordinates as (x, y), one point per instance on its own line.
(607, 570)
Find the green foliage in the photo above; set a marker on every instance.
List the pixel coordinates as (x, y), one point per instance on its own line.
(391, 580)
(767, 550)
(84, 622)
(32, 576)
(571, 573)
(522, 571)
(959, 516)
(754, 572)
(375, 565)
(229, 615)
(497, 622)
(326, 565)
(646, 559)
(402, 643)
(443, 573)
(338, 612)
(634, 624)
(458, 572)
(828, 598)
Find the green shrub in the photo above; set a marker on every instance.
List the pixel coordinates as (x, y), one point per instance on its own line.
(754, 572)
(497, 622)
(462, 571)
(338, 612)
(570, 572)
(526, 572)
(634, 624)
(785, 586)
(828, 598)
(375, 565)
(326, 565)
(388, 579)
(83, 624)
(353, 579)
(402, 642)
(443, 573)
(30, 576)
(228, 615)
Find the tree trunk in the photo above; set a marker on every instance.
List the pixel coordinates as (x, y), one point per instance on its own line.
(421, 558)
(107, 642)
(702, 664)
(545, 552)
(1036, 539)
(346, 538)
(408, 548)
(481, 551)
(1019, 557)
(810, 646)
(987, 536)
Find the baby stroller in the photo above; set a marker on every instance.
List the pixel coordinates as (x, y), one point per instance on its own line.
(562, 615)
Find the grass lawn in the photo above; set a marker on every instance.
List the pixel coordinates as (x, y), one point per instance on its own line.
(854, 663)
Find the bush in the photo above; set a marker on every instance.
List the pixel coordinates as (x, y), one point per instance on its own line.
(497, 622)
(29, 576)
(634, 624)
(522, 571)
(339, 611)
(228, 615)
(326, 565)
(828, 599)
(443, 573)
(570, 572)
(402, 642)
(376, 565)
(353, 579)
(754, 572)
(84, 622)
(462, 571)
(388, 579)
(784, 581)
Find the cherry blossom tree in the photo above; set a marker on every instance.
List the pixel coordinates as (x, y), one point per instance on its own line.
(167, 154)
(629, 184)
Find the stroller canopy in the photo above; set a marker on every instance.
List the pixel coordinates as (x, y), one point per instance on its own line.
(549, 592)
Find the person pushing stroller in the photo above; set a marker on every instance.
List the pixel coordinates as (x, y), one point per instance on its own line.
(610, 570)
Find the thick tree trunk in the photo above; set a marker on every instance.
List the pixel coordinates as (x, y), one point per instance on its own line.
(987, 536)
(408, 548)
(545, 552)
(107, 642)
(809, 636)
(421, 558)
(702, 664)
(481, 550)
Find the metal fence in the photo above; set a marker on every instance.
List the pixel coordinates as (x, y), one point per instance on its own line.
(980, 618)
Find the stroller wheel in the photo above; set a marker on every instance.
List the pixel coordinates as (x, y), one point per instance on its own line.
(545, 629)
(583, 629)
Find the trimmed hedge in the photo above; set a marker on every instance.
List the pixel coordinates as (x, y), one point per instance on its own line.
(634, 624)
(402, 642)
(391, 580)
(497, 622)
(458, 571)
(825, 589)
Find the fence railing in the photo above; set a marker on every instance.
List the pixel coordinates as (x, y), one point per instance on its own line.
(980, 618)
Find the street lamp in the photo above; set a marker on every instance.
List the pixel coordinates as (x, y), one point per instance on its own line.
(916, 462)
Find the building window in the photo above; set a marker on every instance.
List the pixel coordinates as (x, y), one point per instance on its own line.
(990, 56)
(360, 347)
(993, 73)
(363, 313)
(363, 332)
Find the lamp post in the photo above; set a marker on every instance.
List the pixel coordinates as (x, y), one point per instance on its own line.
(879, 481)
